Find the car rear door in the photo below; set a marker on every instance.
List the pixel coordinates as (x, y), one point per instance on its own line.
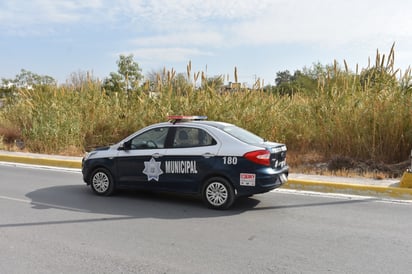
(189, 159)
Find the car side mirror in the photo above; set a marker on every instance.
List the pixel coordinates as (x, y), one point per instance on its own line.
(125, 146)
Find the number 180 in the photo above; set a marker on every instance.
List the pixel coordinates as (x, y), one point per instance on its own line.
(230, 160)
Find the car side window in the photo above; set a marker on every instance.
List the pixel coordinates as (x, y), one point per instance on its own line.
(192, 137)
(151, 139)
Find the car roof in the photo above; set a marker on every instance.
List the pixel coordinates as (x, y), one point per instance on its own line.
(215, 124)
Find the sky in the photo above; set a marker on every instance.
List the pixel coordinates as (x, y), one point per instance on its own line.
(259, 37)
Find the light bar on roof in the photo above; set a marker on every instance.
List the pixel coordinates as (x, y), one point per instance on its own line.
(186, 117)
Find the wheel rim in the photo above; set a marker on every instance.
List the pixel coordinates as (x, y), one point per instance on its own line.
(101, 182)
(216, 194)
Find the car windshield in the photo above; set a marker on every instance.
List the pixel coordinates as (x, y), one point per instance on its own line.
(243, 135)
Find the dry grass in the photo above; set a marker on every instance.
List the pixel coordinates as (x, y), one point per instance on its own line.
(343, 116)
(9, 134)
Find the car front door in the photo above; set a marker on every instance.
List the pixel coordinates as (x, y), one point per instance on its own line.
(138, 162)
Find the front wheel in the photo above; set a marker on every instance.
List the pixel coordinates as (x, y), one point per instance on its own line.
(102, 182)
(218, 193)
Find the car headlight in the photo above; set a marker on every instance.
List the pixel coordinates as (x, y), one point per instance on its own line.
(87, 155)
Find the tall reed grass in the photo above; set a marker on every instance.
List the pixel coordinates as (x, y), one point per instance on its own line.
(343, 116)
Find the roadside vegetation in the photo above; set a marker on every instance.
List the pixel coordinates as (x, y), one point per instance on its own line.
(328, 114)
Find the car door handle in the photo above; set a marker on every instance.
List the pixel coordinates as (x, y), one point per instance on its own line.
(157, 155)
(208, 155)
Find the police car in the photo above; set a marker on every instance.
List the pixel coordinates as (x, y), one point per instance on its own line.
(189, 154)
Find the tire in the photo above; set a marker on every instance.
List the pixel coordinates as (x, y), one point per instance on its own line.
(218, 193)
(102, 182)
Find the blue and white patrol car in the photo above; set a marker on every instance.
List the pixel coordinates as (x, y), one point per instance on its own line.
(189, 154)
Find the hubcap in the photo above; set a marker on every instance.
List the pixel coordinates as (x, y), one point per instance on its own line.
(101, 182)
(216, 193)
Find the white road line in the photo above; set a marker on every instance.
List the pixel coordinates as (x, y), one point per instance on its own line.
(341, 196)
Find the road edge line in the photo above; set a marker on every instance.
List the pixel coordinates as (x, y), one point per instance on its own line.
(345, 188)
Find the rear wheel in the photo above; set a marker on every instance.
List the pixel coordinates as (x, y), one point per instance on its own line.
(102, 182)
(218, 193)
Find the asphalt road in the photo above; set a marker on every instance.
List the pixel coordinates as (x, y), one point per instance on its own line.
(50, 222)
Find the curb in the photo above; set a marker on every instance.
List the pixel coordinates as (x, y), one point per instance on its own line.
(294, 184)
(345, 188)
(41, 160)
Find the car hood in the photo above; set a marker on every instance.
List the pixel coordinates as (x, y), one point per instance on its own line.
(102, 148)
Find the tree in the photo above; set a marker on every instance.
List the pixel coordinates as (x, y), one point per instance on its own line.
(25, 80)
(283, 77)
(28, 79)
(127, 78)
(114, 83)
(287, 84)
(301, 81)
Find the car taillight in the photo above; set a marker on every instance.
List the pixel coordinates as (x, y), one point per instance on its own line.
(261, 157)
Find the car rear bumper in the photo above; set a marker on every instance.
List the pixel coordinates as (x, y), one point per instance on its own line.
(265, 182)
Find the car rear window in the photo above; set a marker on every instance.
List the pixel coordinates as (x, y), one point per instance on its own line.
(192, 137)
(243, 135)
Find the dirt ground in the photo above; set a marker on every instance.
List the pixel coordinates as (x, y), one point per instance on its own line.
(312, 163)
